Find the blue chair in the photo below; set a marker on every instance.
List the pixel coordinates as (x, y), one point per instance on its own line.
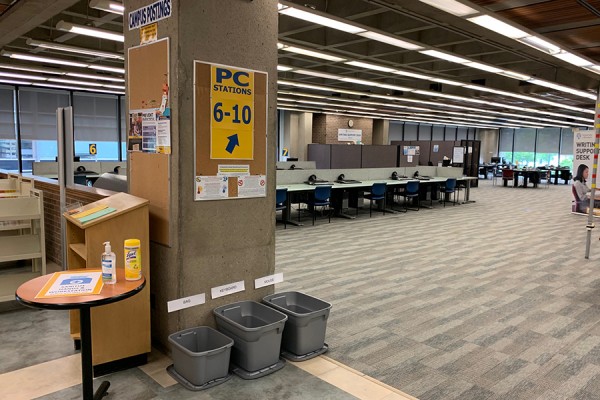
(378, 193)
(448, 189)
(320, 198)
(411, 192)
(280, 205)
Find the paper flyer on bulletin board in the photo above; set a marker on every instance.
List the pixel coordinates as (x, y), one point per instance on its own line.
(149, 127)
(67, 283)
(230, 132)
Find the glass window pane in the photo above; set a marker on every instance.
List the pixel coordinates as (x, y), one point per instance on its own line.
(424, 132)
(96, 122)
(395, 132)
(566, 148)
(548, 140)
(461, 133)
(123, 129)
(524, 152)
(8, 136)
(450, 133)
(410, 131)
(437, 132)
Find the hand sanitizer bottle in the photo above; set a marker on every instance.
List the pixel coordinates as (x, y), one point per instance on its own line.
(109, 265)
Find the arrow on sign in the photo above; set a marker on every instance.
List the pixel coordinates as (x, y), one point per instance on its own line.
(233, 141)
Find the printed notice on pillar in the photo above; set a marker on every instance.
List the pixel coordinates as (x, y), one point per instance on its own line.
(252, 186)
(210, 187)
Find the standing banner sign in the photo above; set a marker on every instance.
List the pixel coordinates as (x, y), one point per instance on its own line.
(583, 150)
(230, 132)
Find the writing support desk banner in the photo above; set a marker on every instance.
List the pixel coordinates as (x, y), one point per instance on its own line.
(230, 132)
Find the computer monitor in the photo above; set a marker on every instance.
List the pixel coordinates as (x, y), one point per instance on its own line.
(292, 158)
(445, 163)
(495, 160)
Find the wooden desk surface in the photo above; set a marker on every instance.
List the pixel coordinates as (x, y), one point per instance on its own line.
(110, 293)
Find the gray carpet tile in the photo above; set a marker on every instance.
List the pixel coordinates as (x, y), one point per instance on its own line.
(488, 300)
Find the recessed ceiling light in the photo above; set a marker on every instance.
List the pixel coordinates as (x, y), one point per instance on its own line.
(380, 37)
(451, 6)
(107, 68)
(320, 20)
(498, 26)
(311, 53)
(445, 56)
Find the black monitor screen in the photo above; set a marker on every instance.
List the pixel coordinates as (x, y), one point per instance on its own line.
(496, 160)
(445, 163)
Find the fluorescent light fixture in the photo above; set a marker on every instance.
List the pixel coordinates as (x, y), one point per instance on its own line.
(573, 59)
(312, 53)
(317, 74)
(498, 26)
(22, 76)
(451, 6)
(109, 6)
(358, 81)
(95, 76)
(17, 67)
(483, 67)
(374, 67)
(380, 37)
(563, 88)
(11, 82)
(315, 18)
(74, 49)
(393, 87)
(72, 82)
(66, 87)
(114, 87)
(107, 68)
(515, 75)
(90, 31)
(49, 60)
(283, 68)
(540, 44)
(445, 56)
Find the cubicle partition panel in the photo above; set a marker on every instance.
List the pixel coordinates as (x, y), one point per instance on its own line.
(444, 149)
(345, 156)
(320, 154)
(424, 150)
(379, 156)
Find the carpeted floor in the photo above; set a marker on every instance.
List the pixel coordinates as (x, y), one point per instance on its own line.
(489, 300)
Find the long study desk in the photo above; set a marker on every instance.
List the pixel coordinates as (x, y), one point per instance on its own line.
(365, 185)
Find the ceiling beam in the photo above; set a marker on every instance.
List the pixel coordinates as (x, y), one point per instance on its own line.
(26, 15)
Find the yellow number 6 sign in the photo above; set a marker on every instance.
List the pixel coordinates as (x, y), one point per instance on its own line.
(93, 150)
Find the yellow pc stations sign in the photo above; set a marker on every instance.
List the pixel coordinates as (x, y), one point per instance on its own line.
(232, 113)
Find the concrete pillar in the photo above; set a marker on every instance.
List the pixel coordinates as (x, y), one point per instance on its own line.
(305, 125)
(381, 130)
(212, 242)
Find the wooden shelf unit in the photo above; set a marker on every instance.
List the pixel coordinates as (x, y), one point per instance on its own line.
(120, 330)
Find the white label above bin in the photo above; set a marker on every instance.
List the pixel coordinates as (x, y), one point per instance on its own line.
(185, 302)
(268, 280)
(227, 289)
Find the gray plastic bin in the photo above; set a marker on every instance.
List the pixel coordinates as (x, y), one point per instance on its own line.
(307, 321)
(256, 331)
(201, 354)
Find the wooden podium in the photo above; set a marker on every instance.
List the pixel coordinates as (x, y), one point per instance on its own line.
(120, 331)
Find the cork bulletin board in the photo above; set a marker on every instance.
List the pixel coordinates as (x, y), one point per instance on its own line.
(230, 132)
(148, 94)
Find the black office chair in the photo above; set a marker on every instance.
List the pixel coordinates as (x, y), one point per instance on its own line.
(448, 189)
(378, 192)
(280, 201)
(411, 191)
(320, 198)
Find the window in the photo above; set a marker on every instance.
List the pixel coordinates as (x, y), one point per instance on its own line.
(8, 139)
(524, 151)
(424, 132)
(410, 131)
(95, 121)
(505, 146)
(123, 129)
(546, 148)
(37, 113)
(566, 148)
(461, 133)
(437, 132)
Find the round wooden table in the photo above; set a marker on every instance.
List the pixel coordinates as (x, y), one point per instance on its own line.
(121, 290)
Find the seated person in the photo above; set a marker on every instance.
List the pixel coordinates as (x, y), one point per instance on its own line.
(581, 190)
